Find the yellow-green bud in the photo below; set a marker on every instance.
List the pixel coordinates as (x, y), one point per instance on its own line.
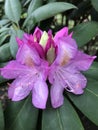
(44, 39)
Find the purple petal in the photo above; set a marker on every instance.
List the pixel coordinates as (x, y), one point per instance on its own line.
(24, 40)
(37, 35)
(70, 35)
(39, 49)
(50, 43)
(62, 33)
(32, 38)
(13, 69)
(74, 80)
(68, 77)
(29, 40)
(19, 41)
(66, 50)
(28, 55)
(52, 73)
(56, 94)
(82, 61)
(20, 88)
(40, 94)
(76, 83)
(43, 69)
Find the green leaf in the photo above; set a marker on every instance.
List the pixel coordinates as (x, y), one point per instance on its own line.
(2, 80)
(88, 102)
(34, 4)
(5, 54)
(3, 22)
(95, 4)
(1, 118)
(63, 118)
(50, 10)
(84, 32)
(83, 7)
(26, 2)
(21, 115)
(13, 10)
(49, 1)
(47, 11)
(3, 64)
(93, 71)
(13, 43)
(4, 29)
(3, 37)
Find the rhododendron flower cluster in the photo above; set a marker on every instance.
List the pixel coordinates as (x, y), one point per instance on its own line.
(42, 57)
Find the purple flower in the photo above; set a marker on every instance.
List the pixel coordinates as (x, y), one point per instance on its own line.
(29, 71)
(64, 72)
(41, 57)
